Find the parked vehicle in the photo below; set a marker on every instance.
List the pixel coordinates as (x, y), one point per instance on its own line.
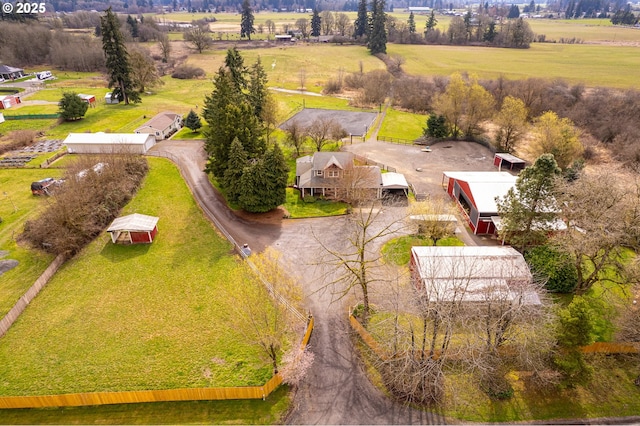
(43, 75)
(44, 186)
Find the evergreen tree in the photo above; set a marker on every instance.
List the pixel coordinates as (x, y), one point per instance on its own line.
(117, 59)
(235, 120)
(235, 64)
(258, 91)
(133, 26)
(232, 180)
(490, 33)
(246, 20)
(72, 107)
(412, 24)
(192, 121)
(514, 12)
(377, 42)
(432, 21)
(264, 182)
(436, 127)
(362, 21)
(529, 210)
(316, 23)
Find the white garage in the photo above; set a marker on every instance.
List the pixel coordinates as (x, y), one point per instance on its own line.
(109, 143)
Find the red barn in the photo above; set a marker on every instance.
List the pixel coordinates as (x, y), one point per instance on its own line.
(475, 194)
(504, 161)
(133, 229)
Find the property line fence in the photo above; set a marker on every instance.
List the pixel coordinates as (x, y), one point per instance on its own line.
(598, 347)
(272, 291)
(399, 141)
(368, 162)
(30, 294)
(30, 116)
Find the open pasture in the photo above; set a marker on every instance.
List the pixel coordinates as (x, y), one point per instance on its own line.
(136, 317)
(592, 65)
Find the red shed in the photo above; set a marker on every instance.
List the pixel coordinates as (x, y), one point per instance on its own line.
(8, 101)
(133, 229)
(90, 99)
(504, 161)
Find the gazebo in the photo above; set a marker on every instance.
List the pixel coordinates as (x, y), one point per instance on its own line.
(133, 229)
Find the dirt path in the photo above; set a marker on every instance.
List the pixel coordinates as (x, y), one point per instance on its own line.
(336, 390)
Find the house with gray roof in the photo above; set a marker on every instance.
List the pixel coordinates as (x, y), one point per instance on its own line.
(334, 175)
(162, 126)
(10, 73)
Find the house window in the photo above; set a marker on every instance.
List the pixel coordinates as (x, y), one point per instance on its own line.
(334, 173)
(318, 172)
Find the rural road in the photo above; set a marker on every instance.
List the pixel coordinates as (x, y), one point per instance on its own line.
(336, 389)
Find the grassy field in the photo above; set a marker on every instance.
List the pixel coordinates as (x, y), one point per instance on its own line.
(247, 412)
(398, 250)
(136, 317)
(17, 205)
(403, 125)
(298, 208)
(593, 65)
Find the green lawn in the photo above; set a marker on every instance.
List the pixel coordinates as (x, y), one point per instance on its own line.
(298, 208)
(247, 412)
(402, 124)
(17, 205)
(136, 317)
(398, 250)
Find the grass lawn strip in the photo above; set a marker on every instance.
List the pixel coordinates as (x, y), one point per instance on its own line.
(17, 206)
(136, 317)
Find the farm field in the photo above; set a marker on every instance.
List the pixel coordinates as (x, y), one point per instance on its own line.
(136, 317)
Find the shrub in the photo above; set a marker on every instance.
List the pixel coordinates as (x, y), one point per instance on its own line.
(332, 86)
(553, 266)
(187, 72)
(83, 206)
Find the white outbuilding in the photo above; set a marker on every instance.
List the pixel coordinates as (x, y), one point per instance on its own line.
(109, 143)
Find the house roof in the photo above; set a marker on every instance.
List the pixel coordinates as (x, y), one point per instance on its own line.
(160, 121)
(367, 177)
(6, 69)
(394, 181)
(474, 274)
(85, 97)
(323, 160)
(484, 187)
(106, 138)
(134, 223)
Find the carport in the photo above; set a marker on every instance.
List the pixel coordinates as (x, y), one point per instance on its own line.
(393, 183)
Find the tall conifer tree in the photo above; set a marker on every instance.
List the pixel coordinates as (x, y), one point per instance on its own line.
(362, 21)
(246, 20)
(117, 59)
(377, 42)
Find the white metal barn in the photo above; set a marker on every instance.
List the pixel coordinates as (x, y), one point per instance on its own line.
(109, 143)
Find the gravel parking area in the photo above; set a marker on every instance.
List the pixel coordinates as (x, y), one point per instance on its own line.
(444, 156)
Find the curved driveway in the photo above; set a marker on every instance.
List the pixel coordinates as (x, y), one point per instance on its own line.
(336, 389)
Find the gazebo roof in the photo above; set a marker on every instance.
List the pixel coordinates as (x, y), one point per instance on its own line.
(134, 223)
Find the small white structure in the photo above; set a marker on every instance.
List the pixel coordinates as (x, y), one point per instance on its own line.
(1, 118)
(472, 274)
(133, 229)
(109, 143)
(110, 99)
(395, 181)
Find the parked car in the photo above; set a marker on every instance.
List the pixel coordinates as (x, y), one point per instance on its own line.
(45, 186)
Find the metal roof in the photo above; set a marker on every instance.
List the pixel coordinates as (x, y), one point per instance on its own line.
(510, 158)
(107, 138)
(485, 187)
(134, 222)
(394, 181)
(474, 274)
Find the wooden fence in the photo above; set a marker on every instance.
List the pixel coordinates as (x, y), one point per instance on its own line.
(399, 141)
(368, 162)
(30, 294)
(598, 347)
(164, 395)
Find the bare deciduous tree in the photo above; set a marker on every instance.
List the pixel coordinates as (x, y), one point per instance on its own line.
(198, 38)
(435, 218)
(324, 129)
(296, 136)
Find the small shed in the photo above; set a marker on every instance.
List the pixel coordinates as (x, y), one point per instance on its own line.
(8, 101)
(1, 118)
(90, 99)
(395, 182)
(110, 99)
(504, 161)
(133, 229)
